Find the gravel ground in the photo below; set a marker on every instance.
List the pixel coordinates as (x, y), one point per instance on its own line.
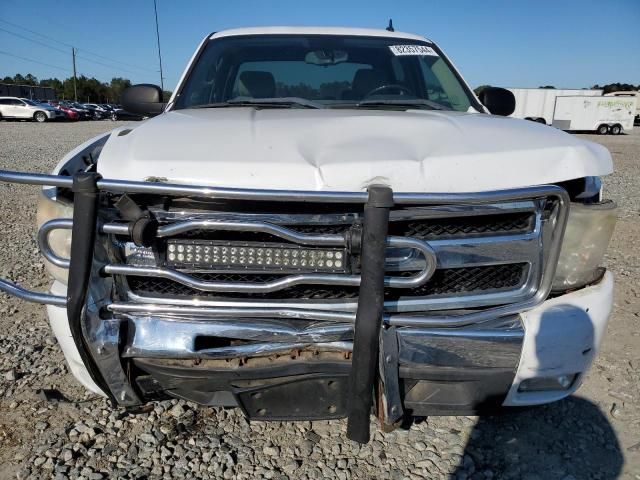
(595, 434)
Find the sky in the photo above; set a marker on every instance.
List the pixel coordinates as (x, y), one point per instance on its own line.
(519, 43)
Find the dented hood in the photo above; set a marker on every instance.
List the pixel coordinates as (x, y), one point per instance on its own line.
(346, 150)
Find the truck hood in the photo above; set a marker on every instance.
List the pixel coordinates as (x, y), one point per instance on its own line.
(347, 150)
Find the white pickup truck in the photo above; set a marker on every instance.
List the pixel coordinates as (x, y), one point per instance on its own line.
(325, 223)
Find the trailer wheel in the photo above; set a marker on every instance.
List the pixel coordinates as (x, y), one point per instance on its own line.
(603, 129)
(615, 129)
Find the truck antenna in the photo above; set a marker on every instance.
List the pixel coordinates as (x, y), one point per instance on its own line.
(390, 27)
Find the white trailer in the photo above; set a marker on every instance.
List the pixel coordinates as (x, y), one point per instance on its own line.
(604, 114)
(635, 94)
(538, 103)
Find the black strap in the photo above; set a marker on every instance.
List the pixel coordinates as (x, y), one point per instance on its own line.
(364, 364)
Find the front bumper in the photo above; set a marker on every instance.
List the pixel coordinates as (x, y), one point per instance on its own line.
(445, 372)
(562, 337)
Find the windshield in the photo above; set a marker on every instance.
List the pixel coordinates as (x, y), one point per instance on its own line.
(29, 102)
(320, 71)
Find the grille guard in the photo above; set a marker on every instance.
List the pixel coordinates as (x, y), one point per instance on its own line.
(204, 192)
(99, 338)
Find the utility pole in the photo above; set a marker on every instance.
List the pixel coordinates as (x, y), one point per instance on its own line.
(75, 91)
(155, 8)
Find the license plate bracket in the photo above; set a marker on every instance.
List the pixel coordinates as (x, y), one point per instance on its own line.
(310, 397)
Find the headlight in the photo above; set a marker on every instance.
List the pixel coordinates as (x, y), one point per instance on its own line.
(586, 238)
(59, 240)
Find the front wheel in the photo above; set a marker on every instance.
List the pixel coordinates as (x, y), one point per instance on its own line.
(615, 130)
(114, 116)
(40, 117)
(603, 129)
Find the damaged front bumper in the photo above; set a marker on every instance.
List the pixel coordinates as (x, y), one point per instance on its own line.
(443, 371)
(448, 349)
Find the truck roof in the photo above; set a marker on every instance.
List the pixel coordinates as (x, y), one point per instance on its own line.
(365, 32)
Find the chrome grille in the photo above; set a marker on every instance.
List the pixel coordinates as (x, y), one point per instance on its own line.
(477, 225)
(461, 253)
(444, 282)
(424, 229)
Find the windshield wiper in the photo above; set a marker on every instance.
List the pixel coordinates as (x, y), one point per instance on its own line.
(409, 102)
(275, 102)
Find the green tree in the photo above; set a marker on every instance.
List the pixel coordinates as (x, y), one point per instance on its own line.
(30, 80)
(116, 87)
(54, 83)
(617, 87)
(67, 88)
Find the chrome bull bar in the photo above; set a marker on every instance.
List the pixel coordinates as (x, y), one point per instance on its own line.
(174, 189)
(398, 319)
(99, 340)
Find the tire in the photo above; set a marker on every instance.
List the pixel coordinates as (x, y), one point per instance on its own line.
(541, 120)
(615, 129)
(114, 116)
(603, 129)
(40, 117)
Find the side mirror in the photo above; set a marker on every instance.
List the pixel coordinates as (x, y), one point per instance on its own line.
(143, 99)
(498, 101)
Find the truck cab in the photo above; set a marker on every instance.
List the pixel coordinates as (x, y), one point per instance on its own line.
(325, 223)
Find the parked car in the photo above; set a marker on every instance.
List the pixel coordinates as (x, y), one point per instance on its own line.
(98, 107)
(83, 113)
(116, 112)
(70, 114)
(97, 113)
(23, 108)
(121, 114)
(301, 225)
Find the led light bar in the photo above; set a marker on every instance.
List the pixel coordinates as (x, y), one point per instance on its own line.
(253, 256)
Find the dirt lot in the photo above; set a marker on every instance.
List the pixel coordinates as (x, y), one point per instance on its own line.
(592, 435)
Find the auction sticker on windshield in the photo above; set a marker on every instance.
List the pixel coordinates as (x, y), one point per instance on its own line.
(412, 50)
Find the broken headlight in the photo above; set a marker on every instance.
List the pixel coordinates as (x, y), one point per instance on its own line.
(586, 238)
